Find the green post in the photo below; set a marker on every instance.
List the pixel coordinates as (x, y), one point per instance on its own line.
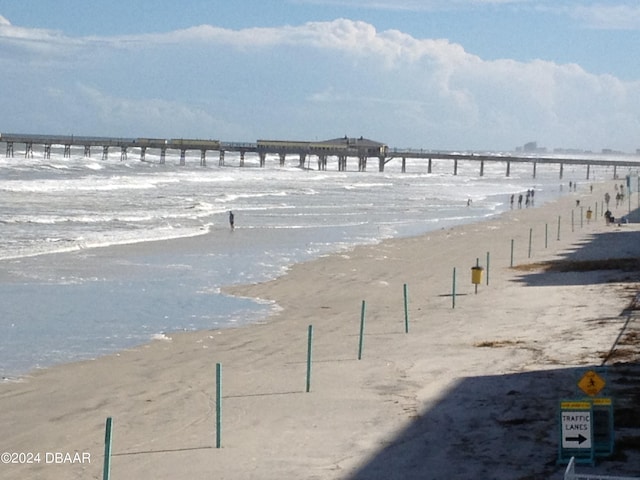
(406, 309)
(477, 266)
(511, 264)
(218, 405)
(309, 345)
(546, 235)
(361, 330)
(453, 290)
(558, 228)
(106, 472)
(573, 220)
(488, 255)
(530, 238)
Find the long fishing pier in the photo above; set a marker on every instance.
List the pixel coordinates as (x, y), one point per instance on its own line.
(343, 148)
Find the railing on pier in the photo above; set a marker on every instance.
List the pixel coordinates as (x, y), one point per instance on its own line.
(342, 148)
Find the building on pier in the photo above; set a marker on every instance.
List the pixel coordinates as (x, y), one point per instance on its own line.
(346, 147)
(342, 148)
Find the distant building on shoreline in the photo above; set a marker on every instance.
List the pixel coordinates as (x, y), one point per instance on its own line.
(531, 147)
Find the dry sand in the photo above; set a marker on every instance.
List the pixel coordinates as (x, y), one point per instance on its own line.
(469, 392)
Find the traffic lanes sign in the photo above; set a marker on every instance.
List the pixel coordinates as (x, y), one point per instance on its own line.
(576, 430)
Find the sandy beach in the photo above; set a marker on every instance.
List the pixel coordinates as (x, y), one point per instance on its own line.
(472, 390)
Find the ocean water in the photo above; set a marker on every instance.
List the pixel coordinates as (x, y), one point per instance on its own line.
(61, 300)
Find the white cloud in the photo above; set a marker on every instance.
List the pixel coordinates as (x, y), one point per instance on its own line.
(388, 83)
(441, 87)
(341, 35)
(353, 37)
(614, 15)
(411, 5)
(37, 45)
(607, 16)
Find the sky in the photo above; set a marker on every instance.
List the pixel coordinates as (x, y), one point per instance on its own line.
(434, 74)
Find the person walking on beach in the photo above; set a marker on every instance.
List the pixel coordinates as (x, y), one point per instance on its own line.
(231, 220)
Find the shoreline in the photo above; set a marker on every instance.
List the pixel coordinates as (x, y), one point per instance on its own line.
(94, 265)
(407, 391)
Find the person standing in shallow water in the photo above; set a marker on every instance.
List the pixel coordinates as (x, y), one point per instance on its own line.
(231, 220)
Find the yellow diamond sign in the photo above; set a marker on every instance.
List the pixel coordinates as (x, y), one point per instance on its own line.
(591, 383)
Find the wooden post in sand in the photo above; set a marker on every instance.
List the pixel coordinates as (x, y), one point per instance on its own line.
(218, 405)
(361, 330)
(558, 238)
(106, 471)
(406, 309)
(309, 344)
(530, 239)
